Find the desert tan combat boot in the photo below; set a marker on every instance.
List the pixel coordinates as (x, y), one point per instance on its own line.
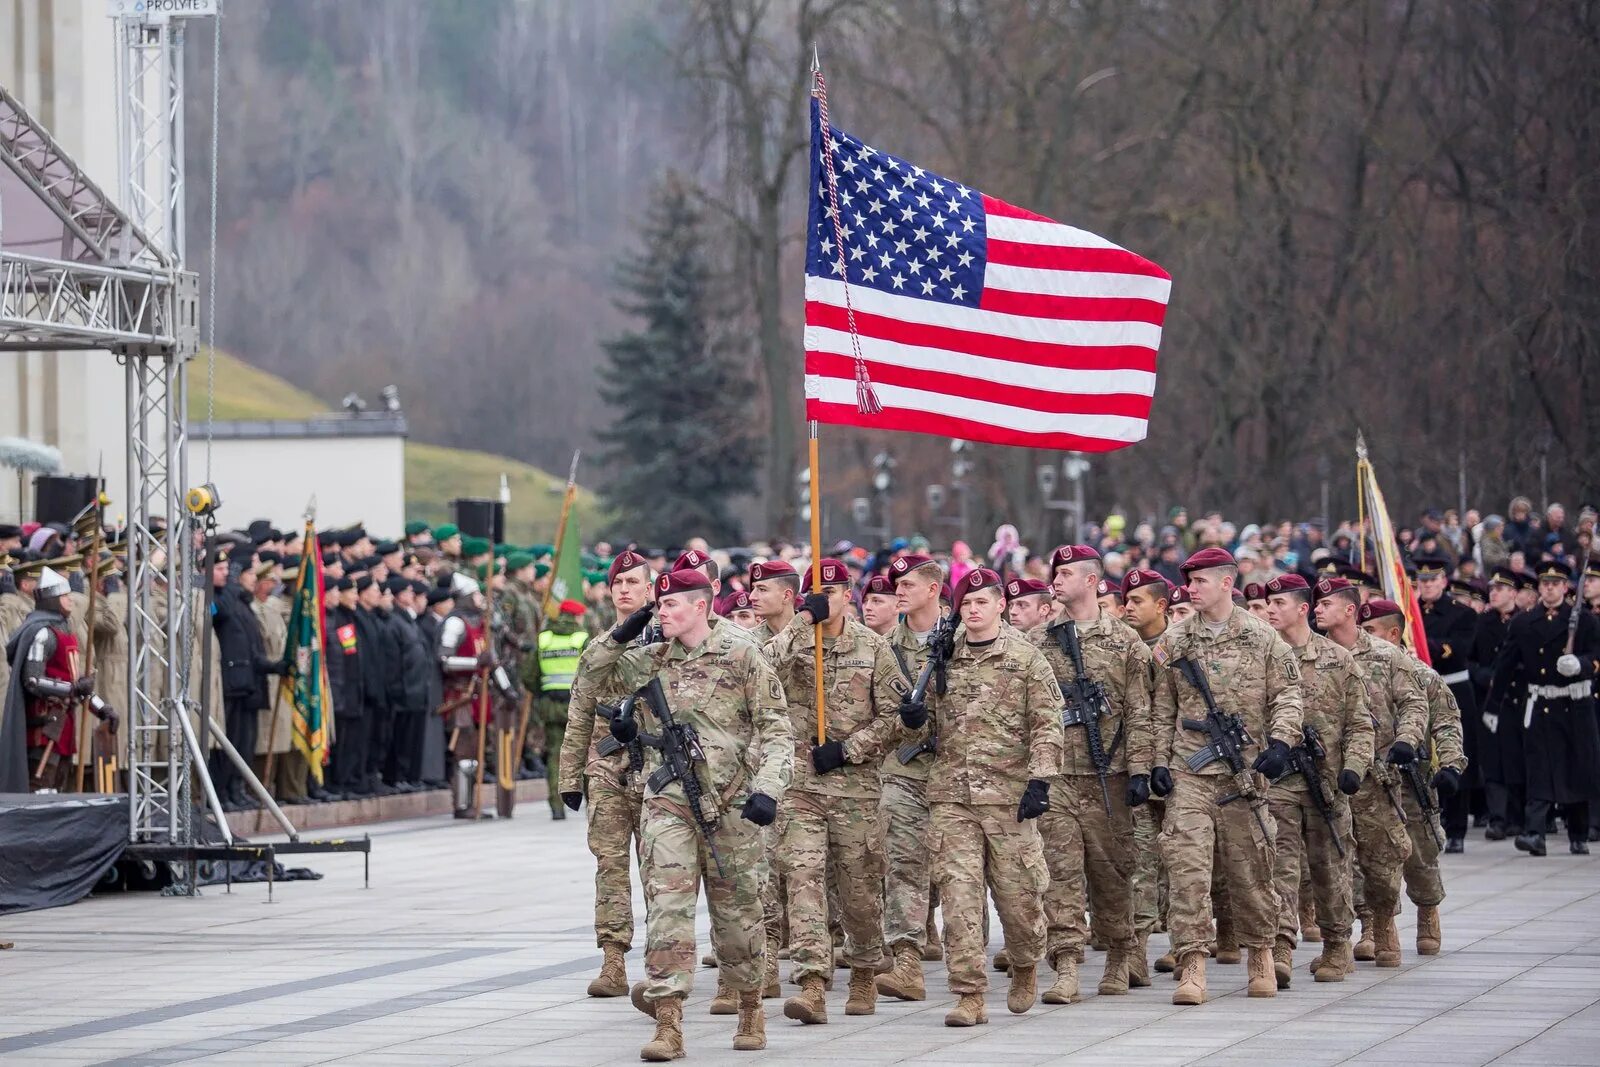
(1366, 947)
(1334, 963)
(1227, 943)
(1167, 962)
(932, 947)
(752, 1033)
(1139, 963)
(904, 981)
(1191, 974)
(1282, 962)
(1428, 933)
(1114, 982)
(863, 997)
(1262, 981)
(637, 996)
(769, 982)
(810, 1005)
(726, 1002)
(708, 960)
(1310, 932)
(668, 1042)
(969, 1011)
(1024, 988)
(1065, 988)
(612, 981)
(1386, 942)
(1002, 961)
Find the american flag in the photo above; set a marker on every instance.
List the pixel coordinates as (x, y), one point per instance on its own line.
(974, 319)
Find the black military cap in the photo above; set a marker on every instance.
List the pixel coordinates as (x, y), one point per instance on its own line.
(1504, 576)
(396, 584)
(1431, 566)
(362, 580)
(344, 583)
(8, 530)
(439, 594)
(385, 548)
(1549, 569)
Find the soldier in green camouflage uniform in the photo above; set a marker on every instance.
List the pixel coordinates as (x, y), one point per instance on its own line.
(1399, 718)
(1251, 674)
(831, 811)
(722, 686)
(1335, 706)
(523, 619)
(1091, 850)
(999, 743)
(1443, 750)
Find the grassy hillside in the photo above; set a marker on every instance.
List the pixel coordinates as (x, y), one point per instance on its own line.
(435, 475)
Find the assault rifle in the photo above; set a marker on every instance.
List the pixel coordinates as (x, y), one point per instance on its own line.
(1226, 740)
(681, 755)
(1086, 706)
(1412, 775)
(1306, 759)
(941, 645)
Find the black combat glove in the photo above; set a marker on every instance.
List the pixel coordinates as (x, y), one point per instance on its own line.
(83, 686)
(1160, 781)
(815, 605)
(828, 757)
(913, 713)
(1447, 781)
(633, 625)
(624, 728)
(1400, 754)
(1138, 790)
(1349, 782)
(759, 809)
(1035, 800)
(572, 800)
(1273, 761)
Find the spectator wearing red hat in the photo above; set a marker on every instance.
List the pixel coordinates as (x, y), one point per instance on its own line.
(1307, 848)
(1399, 717)
(1088, 833)
(1251, 674)
(998, 725)
(721, 685)
(832, 811)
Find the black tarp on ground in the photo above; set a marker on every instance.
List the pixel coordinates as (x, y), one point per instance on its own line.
(55, 847)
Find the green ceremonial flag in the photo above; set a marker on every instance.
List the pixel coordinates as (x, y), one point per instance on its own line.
(305, 686)
(566, 575)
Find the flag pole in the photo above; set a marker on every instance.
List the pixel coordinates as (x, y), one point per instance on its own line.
(816, 492)
(561, 528)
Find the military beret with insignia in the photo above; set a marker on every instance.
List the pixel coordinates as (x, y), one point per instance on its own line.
(1017, 587)
(1071, 554)
(1379, 608)
(833, 573)
(1286, 583)
(1329, 586)
(1207, 558)
(903, 565)
(976, 579)
(738, 600)
(1179, 595)
(692, 558)
(684, 581)
(879, 585)
(772, 568)
(944, 592)
(1238, 595)
(1108, 588)
(1143, 579)
(1255, 591)
(626, 560)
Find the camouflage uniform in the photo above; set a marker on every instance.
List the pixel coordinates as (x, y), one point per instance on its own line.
(1149, 881)
(1335, 705)
(1399, 713)
(906, 822)
(831, 820)
(1253, 674)
(998, 725)
(1444, 745)
(730, 694)
(1082, 842)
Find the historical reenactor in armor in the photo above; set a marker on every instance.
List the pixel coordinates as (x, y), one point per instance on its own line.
(466, 658)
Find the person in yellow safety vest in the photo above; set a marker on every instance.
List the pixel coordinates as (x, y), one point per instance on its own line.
(560, 644)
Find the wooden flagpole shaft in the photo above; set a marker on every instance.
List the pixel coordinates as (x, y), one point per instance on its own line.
(272, 728)
(816, 572)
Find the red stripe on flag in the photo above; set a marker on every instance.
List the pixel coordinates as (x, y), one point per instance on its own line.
(991, 206)
(1071, 257)
(949, 426)
(1129, 405)
(1036, 353)
(1079, 308)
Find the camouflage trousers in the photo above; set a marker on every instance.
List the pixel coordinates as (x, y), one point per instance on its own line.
(906, 826)
(841, 833)
(1196, 824)
(674, 862)
(1381, 849)
(1090, 857)
(1421, 872)
(979, 846)
(1149, 877)
(614, 836)
(1305, 850)
(555, 734)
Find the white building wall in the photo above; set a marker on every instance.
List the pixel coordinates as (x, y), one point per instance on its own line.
(354, 479)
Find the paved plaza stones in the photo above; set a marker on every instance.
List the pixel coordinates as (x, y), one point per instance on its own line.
(474, 946)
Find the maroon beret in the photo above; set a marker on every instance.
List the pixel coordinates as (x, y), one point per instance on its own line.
(1108, 588)
(1140, 578)
(1286, 583)
(738, 600)
(901, 566)
(772, 568)
(691, 559)
(1238, 595)
(944, 592)
(1378, 608)
(1025, 587)
(1208, 557)
(833, 573)
(626, 560)
(684, 581)
(1329, 586)
(1179, 595)
(977, 578)
(1255, 591)
(1071, 554)
(879, 585)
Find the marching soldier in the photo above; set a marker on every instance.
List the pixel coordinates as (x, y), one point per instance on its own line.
(1029, 604)
(1501, 752)
(1450, 627)
(774, 588)
(878, 608)
(1145, 595)
(1337, 738)
(1252, 674)
(720, 684)
(1088, 831)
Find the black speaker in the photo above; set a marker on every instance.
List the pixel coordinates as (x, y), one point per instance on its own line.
(477, 517)
(59, 497)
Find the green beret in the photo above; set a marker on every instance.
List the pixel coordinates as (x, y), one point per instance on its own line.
(445, 532)
(594, 577)
(541, 551)
(503, 549)
(589, 560)
(475, 546)
(417, 526)
(516, 561)
(541, 569)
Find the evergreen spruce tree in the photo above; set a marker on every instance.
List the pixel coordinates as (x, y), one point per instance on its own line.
(679, 446)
